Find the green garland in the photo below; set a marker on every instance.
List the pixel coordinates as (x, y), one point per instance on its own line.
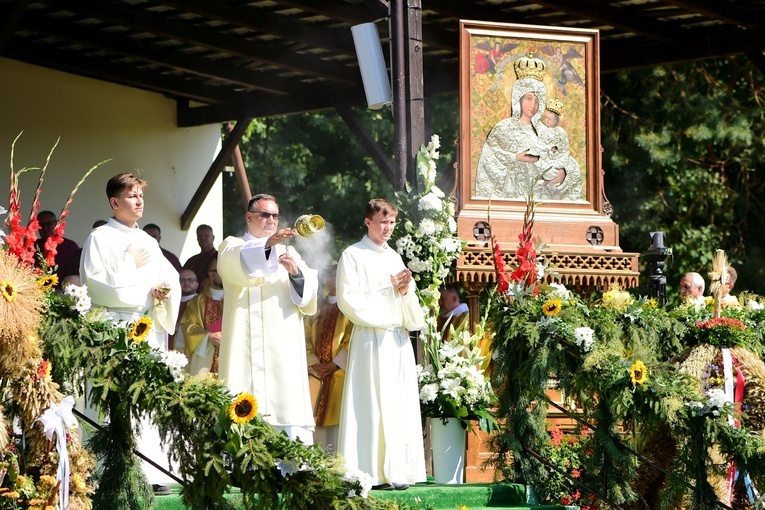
(128, 381)
(618, 358)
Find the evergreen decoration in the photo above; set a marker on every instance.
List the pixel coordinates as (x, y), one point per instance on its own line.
(643, 376)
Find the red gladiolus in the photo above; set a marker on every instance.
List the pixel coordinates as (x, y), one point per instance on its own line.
(503, 285)
(565, 500)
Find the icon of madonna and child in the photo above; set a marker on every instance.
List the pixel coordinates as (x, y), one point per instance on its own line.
(529, 152)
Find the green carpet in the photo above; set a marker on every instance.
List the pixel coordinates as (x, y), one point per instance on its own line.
(441, 497)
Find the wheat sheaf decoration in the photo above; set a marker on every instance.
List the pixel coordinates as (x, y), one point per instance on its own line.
(718, 277)
(20, 312)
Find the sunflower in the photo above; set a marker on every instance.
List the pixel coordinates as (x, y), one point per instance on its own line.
(47, 282)
(639, 373)
(552, 307)
(139, 330)
(651, 304)
(243, 408)
(8, 290)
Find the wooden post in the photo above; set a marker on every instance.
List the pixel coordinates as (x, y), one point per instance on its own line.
(242, 182)
(408, 87)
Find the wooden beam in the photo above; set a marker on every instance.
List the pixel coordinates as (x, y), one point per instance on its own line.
(341, 11)
(460, 9)
(624, 18)
(727, 12)
(262, 21)
(442, 78)
(229, 144)
(381, 159)
(434, 37)
(77, 63)
(198, 35)
(12, 14)
(240, 172)
(168, 56)
(312, 100)
(697, 45)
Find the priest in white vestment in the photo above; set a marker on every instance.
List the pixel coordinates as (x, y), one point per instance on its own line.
(380, 424)
(127, 274)
(268, 289)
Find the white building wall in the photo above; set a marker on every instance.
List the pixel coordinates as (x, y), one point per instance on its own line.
(97, 121)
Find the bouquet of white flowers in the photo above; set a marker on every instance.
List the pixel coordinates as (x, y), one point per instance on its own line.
(429, 246)
(453, 384)
(452, 380)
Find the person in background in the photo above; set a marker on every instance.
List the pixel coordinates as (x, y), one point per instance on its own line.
(691, 290)
(189, 285)
(199, 262)
(327, 353)
(692, 287)
(453, 313)
(154, 231)
(201, 324)
(726, 299)
(268, 290)
(65, 251)
(380, 429)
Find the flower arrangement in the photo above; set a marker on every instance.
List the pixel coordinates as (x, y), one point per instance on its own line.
(722, 332)
(452, 384)
(429, 245)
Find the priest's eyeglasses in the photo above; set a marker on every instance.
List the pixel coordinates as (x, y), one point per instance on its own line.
(265, 215)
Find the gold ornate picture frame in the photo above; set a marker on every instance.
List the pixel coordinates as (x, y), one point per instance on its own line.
(507, 151)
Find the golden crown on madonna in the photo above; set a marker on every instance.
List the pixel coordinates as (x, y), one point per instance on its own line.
(530, 67)
(556, 106)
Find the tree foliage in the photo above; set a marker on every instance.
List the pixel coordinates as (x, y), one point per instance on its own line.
(683, 153)
(313, 163)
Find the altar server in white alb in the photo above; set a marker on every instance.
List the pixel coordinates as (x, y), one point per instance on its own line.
(380, 431)
(124, 268)
(267, 291)
(127, 274)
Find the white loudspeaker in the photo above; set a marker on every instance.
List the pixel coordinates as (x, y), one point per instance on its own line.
(372, 65)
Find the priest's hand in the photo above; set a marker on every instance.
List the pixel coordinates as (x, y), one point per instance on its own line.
(280, 236)
(161, 291)
(289, 263)
(214, 338)
(140, 255)
(401, 281)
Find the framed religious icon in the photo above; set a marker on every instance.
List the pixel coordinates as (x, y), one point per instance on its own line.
(530, 132)
(529, 117)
